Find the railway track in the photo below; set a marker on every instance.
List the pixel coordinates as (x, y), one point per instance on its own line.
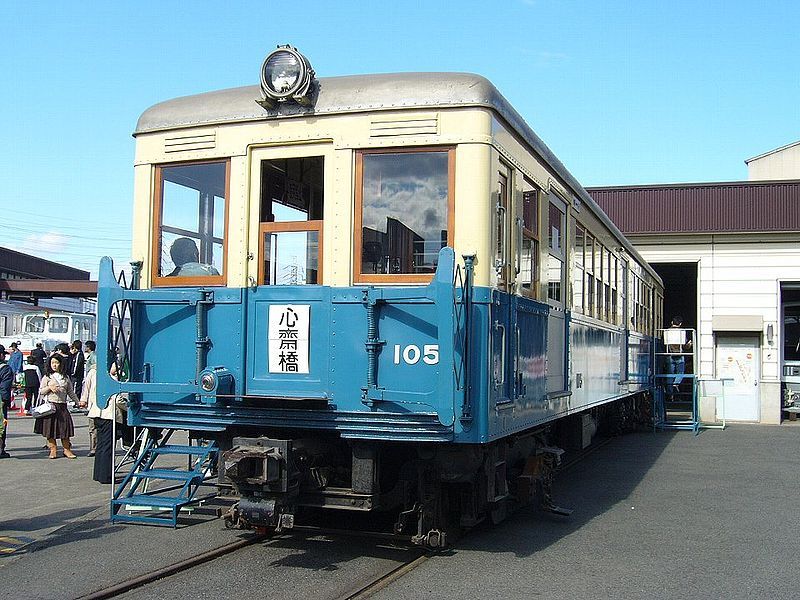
(141, 580)
(360, 590)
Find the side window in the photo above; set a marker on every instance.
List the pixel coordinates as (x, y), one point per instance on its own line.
(623, 293)
(502, 244)
(190, 224)
(404, 213)
(555, 260)
(529, 240)
(292, 201)
(579, 273)
(614, 279)
(600, 274)
(589, 262)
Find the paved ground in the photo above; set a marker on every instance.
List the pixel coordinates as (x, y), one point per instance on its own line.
(670, 515)
(656, 516)
(38, 495)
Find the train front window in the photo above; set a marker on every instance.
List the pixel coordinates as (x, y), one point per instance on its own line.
(190, 224)
(292, 201)
(403, 213)
(59, 325)
(35, 325)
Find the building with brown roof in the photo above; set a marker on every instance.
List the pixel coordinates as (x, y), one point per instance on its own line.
(729, 254)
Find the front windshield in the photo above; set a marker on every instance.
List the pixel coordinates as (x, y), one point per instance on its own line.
(34, 325)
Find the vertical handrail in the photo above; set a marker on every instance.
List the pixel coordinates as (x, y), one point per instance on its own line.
(463, 334)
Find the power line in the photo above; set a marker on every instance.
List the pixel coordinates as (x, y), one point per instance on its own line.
(63, 225)
(67, 235)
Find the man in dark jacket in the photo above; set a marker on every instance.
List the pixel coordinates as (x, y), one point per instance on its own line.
(39, 356)
(77, 366)
(6, 382)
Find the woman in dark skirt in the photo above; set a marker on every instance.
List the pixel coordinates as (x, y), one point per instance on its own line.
(56, 388)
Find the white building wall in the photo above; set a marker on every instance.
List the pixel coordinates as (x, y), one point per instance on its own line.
(783, 163)
(738, 275)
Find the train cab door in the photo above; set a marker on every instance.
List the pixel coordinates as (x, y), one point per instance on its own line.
(290, 190)
(556, 292)
(503, 329)
(287, 202)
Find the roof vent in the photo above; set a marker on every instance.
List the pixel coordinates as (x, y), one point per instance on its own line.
(188, 143)
(390, 127)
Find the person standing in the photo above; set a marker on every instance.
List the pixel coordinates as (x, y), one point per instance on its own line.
(90, 355)
(15, 358)
(101, 433)
(56, 388)
(6, 383)
(39, 356)
(33, 376)
(89, 400)
(677, 347)
(77, 365)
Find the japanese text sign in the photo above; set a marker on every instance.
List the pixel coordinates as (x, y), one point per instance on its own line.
(288, 338)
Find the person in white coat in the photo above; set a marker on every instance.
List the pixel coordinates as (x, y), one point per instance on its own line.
(101, 435)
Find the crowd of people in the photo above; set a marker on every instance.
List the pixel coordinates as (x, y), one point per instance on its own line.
(65, 379)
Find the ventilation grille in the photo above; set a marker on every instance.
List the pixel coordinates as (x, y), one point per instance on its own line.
(405, 126)
(187, 143)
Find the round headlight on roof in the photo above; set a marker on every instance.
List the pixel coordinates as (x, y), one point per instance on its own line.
(286, 74)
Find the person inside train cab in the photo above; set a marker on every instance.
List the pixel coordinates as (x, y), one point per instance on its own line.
(677, 346)
(186, 258)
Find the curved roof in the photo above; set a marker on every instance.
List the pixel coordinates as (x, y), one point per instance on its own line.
(358, 93)
(354, 93)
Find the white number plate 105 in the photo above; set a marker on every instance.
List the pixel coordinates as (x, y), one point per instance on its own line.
(411, 354)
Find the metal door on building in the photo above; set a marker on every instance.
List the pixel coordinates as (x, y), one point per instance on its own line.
(738, 360)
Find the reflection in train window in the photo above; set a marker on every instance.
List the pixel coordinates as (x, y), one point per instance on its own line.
(404, 212)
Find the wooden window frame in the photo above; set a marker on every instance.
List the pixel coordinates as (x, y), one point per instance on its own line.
(534, 236)
(393, 278)
(288, 227)
(158, 203)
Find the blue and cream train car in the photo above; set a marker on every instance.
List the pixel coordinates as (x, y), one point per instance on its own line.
(372, 293)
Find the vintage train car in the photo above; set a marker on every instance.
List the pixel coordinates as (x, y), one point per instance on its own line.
(372, 293)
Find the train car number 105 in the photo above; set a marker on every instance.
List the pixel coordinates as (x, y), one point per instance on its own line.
(412, 354)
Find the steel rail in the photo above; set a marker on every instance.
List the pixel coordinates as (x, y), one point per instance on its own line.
(141, 580)
(377, 583)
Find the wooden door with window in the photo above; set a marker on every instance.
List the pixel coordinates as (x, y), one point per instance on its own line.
(291, 200)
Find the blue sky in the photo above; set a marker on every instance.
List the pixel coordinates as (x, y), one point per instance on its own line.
(623, 92)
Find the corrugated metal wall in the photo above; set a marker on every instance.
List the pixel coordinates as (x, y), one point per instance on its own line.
(703, 208)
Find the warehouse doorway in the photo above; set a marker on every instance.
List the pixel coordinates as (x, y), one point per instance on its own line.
(680, 291)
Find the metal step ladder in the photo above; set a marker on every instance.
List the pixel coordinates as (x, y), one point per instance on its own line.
(163, 492)
(675, 405)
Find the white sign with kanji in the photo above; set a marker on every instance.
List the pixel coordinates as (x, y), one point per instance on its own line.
(288, 338)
